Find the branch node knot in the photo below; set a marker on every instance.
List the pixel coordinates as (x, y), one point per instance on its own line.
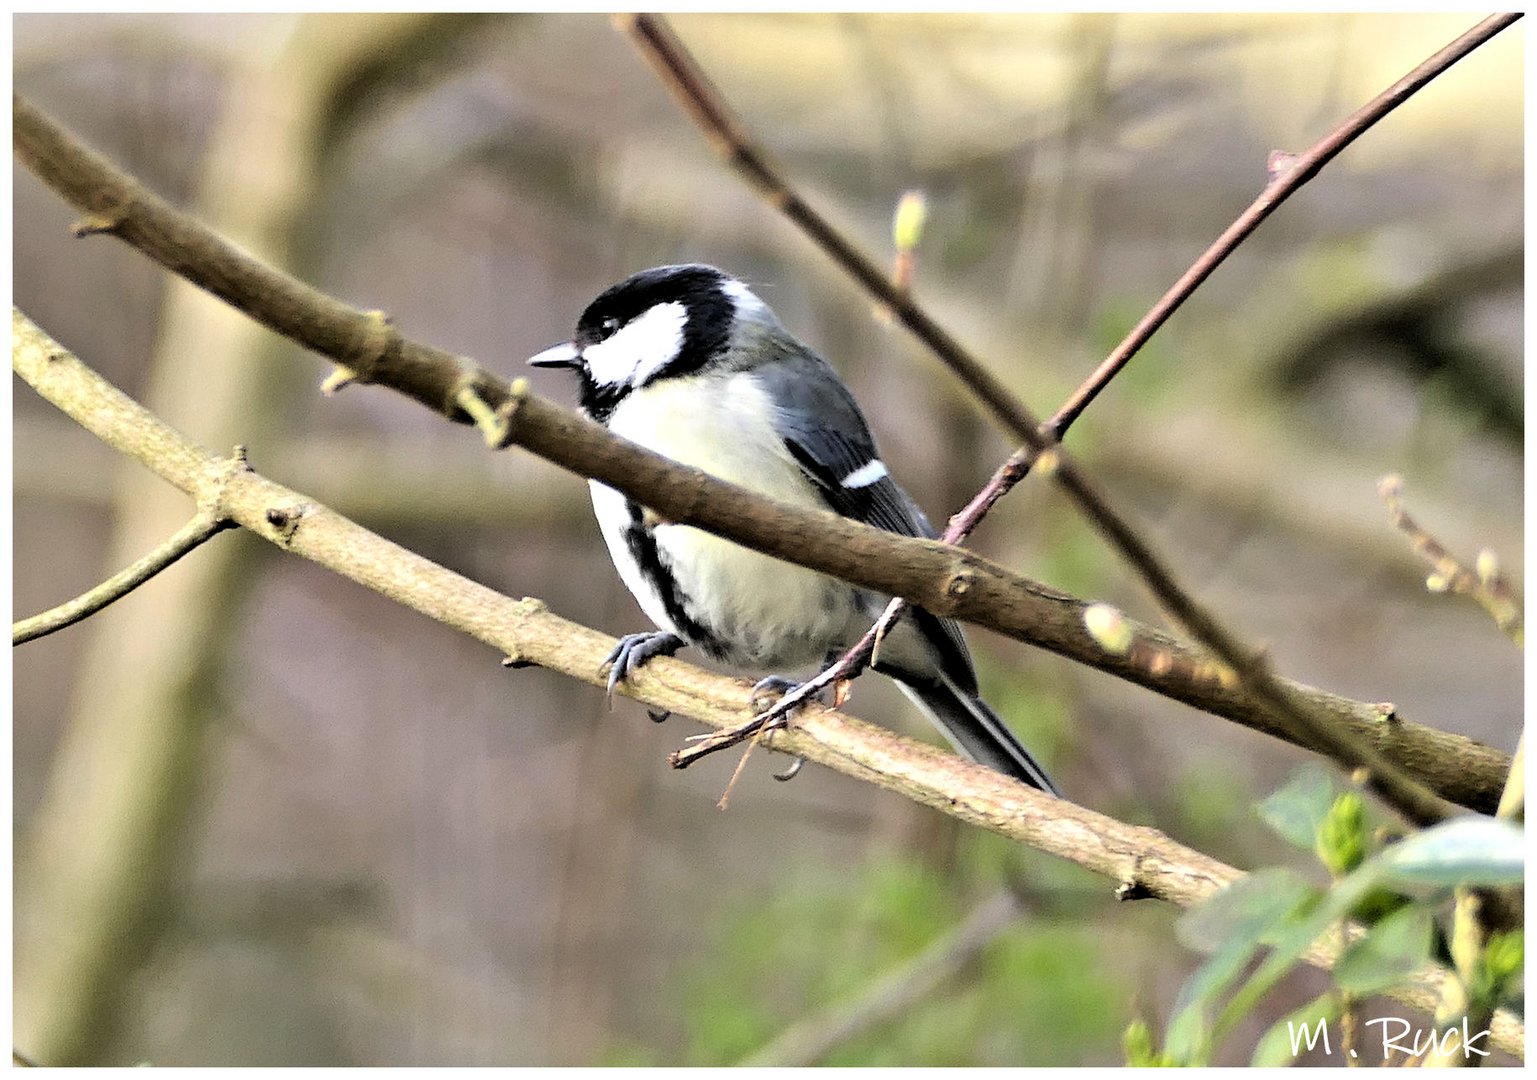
(1133, 888)
(213, 493)
(1279, 164)
(524, 608)
(285, 519)
(378, 341)
(960, 582)
(107, 221)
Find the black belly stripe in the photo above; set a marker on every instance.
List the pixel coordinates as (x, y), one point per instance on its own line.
(639, 538)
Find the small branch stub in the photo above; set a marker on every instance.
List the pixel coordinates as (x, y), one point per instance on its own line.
(340, 378)
(378, 340)
(960, 583)
(507, 413)
(1133, 889)
(494, 424)
(106, 221)
(1280, 163)
(96, 225)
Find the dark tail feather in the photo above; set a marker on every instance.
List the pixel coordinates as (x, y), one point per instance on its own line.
(977, 732)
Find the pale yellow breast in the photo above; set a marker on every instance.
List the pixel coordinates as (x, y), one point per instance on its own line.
(720, 424)
(777, 614)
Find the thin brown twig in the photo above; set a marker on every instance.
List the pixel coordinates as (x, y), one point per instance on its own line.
(205, 524)
(1487, 586)
(683, 76)
(692, 89)
(952, 582)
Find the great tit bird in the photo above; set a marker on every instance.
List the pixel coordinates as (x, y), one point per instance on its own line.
(687, 361)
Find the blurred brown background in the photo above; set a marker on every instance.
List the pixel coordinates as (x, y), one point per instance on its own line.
(264, 817)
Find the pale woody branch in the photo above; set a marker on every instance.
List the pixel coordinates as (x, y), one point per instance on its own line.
(1142, 860)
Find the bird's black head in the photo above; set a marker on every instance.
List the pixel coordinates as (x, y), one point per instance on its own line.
(658, 324)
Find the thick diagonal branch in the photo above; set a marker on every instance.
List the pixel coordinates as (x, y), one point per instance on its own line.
(1141, 859)
(945, 580)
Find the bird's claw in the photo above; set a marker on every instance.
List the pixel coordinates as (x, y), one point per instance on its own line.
(777, 686)
(633, 650)
(792, 770)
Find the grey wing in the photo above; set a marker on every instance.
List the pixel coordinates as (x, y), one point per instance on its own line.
(825, 431)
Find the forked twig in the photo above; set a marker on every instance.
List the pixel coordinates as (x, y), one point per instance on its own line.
(691, 87)
(1485, 584)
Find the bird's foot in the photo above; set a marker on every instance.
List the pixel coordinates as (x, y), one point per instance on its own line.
(767, 693)
(770, 690)
(634, 650)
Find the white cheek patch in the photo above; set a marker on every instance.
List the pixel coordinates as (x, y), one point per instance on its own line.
(640, 348)
(871, 472)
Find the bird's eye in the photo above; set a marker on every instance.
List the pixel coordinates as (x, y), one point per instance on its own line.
(608, 327)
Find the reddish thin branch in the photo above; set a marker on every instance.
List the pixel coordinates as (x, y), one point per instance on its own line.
(1288, 173)
(683, 76)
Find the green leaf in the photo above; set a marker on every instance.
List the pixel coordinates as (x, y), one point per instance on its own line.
(1464, 851)
(1389, 952)
(1505, 955)
(1231, 926)
(1498, 968)
(1299, 808)
(1291, 941)
(1288, 1038)
(1377, 905)
(1243, 910)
